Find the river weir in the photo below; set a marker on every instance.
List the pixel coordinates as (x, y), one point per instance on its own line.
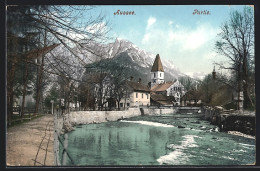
(155, 140)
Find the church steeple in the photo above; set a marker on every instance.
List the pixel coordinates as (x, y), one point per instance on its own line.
(157, 72)
(157, 65)
(214, 74)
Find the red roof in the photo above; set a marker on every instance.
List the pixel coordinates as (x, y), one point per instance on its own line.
(162, 87)
(138, 86)
(157, 65)
(162, 99)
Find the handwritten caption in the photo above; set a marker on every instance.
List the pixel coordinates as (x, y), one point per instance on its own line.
(201, 12)
(118, 12)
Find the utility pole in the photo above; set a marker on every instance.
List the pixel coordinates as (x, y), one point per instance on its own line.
(52, 101)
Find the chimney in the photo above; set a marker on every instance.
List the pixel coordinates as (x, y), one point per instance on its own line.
(149, 84)
(139, 80)
(131, 78)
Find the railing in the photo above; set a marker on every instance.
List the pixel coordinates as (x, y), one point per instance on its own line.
(58, 142)
(28, 114)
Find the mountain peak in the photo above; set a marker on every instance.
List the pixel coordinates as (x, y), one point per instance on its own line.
(122, 40)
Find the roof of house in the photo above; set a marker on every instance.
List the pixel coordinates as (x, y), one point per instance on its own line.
(138, 86)
(191, 95)
(157, 65)
(162, 99)
(162, 87)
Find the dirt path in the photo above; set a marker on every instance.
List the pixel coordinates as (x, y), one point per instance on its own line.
(23, 142)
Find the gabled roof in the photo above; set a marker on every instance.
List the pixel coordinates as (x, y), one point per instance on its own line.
(138, 86)
(162, 87)
(157, 65)
(162, 99)
(191, 95)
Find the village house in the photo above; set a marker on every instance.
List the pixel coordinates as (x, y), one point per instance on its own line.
(136, 94)
(162, 100)
(191, 98)
(159, 86)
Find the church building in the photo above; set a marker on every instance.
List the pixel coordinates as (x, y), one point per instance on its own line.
(160, 87)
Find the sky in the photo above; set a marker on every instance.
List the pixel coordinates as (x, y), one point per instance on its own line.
(172, 31)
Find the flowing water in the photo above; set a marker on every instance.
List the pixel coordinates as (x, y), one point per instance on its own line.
(179, 139)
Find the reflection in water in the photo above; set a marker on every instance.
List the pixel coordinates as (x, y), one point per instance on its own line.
(155, 141)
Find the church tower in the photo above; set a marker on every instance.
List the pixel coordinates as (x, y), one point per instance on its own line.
(214, 74)
(157, 72)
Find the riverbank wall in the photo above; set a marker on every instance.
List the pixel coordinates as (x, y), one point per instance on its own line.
(230, 120)
(87, 117)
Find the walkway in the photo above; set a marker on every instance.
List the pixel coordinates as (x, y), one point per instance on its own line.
(28, 140)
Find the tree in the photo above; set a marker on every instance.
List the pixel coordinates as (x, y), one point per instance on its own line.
(20, 40)
(65, 25)
(187, 82)
(237, 45)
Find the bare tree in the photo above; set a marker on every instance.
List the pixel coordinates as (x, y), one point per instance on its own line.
(65, 25)
(237, 45)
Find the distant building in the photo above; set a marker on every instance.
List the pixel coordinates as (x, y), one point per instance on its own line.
(157, 72)
(136, 94)
(162, 100)
(173, 88)
(191, 98)
(159, 86)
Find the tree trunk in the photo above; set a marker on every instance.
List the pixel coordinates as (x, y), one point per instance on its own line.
(10, 92)
(24, 87)
(39, 79)
(39, 86)
(245, 84)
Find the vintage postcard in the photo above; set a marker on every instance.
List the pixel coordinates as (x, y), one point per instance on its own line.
(130, 85)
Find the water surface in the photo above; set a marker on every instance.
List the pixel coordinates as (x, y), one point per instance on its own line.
(181, 139)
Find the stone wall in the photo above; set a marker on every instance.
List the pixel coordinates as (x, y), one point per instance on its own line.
(154, 111)
(86, 117)
(231, 120)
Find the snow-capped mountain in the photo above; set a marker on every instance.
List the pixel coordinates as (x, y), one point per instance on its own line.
(196, 75)
(141, 57)
(73, 61)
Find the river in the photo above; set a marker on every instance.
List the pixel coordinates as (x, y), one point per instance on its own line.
(179, 139)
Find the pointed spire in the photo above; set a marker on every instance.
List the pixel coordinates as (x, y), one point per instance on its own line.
(214, 74)
(157, 65)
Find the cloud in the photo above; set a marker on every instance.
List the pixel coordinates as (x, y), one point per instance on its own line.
(183, 45)
(150, 22)
(146, 38)
(184, 38)
(170, 22)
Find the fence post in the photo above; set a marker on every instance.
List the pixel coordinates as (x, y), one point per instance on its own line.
(56, 141)
(65, 146)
